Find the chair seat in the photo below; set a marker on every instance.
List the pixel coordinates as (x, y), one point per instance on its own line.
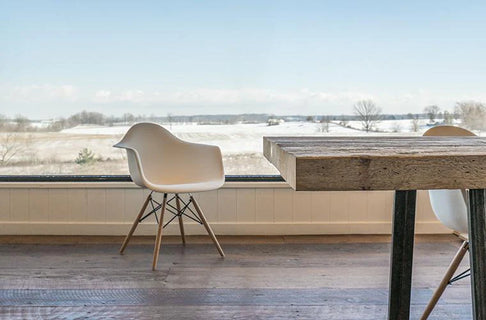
(186, 187)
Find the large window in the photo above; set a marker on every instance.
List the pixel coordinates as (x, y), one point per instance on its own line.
(74, 75)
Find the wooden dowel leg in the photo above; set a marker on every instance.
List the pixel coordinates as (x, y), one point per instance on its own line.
(158, 238)
(402, 255)
(181, 224)
(135, 223)
(445, 280)
(206, 225)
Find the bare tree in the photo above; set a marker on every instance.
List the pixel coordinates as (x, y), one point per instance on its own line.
(344, 121)
(169, 120)
(448, 117)
(473, 114)
(10, 145)
(3, 121)
(128, 118)
(22, 123)
(58, 124)
(432, 112)
(415, 125)
(368, 113)
(325, 121)
(86, 117)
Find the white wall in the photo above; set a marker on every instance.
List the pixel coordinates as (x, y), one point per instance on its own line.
(236, 209)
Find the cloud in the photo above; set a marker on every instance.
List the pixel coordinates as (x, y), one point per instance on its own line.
(246, 100)
(302, 101)
(40, 93)
(227, 97)
(62, 100)
(102, 96)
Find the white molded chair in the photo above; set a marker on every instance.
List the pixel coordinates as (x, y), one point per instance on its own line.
(450, 207)
(161, 162)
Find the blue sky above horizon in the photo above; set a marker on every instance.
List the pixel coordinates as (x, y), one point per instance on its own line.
(201, 57)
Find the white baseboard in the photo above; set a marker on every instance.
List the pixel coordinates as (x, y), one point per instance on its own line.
(221, 228)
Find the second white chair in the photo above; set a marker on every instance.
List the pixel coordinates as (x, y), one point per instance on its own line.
(161, 162)
(450, 207)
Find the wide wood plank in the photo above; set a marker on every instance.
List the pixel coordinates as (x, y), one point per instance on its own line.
(379, 163)
(223, 312)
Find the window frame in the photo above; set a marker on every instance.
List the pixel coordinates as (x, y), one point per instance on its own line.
(122, 178)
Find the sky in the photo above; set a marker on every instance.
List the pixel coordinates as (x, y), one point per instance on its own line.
(208, 57)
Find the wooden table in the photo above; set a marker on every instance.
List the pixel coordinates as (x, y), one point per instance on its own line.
(403, 164)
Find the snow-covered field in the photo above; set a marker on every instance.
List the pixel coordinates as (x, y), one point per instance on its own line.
(241, 144)
(244, 138)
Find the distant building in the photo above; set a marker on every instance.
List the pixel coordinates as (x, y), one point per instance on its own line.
(274, 122)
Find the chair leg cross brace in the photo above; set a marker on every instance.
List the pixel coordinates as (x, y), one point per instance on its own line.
(178, 211)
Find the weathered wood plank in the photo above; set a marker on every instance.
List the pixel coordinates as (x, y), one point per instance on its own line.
(201, 297)
(194, 297)
(379, 163)
(301, 312)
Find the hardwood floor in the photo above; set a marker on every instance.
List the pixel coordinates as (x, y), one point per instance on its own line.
(316, 277)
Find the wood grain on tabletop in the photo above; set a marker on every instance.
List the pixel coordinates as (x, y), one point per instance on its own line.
(379, 163)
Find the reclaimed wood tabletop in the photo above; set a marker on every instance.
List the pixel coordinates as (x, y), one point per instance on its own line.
(379, 163)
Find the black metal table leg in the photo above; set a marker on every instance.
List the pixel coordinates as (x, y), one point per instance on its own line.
(477, 251)
(402, 255)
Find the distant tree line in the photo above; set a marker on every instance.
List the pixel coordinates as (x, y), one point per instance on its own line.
(471, 113)
(21, 123)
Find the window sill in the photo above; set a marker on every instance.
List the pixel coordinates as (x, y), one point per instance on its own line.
(124, 182)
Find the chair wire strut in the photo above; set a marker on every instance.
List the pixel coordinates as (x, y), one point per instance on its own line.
(460, 276)
(184, 211)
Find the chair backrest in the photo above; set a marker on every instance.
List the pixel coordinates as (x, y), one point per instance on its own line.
(449, 206)
(156, 155)
(447, 131)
